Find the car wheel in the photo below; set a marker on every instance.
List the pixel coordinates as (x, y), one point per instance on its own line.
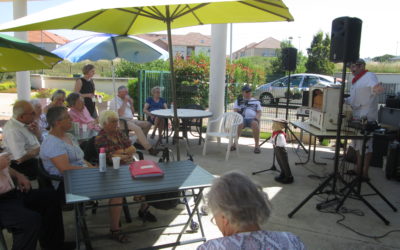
(266, 99)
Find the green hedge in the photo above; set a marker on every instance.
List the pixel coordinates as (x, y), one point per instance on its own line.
(7, 85)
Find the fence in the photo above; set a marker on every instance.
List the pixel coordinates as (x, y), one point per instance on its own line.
(185, 95)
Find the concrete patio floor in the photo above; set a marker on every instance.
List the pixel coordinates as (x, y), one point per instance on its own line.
(316, 229)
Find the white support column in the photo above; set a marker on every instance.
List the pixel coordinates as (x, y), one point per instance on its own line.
(217, 69)
(20, 9)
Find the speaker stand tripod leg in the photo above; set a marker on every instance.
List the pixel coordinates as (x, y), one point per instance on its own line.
(316, 191)
(382, 196)
(272, 168)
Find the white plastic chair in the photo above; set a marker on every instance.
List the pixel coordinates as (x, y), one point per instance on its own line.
(228, 124)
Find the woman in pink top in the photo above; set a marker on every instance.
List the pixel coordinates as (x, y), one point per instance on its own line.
(79, 113)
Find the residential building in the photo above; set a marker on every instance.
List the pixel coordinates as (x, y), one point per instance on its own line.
(183, 45)
(46, 40)
(267, 47)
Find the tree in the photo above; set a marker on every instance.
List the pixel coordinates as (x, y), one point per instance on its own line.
(383, 58)
(318, 55)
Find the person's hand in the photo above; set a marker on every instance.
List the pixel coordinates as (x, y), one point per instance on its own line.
(24, 184)
(4, 160)
(34, 127)
(378, 89)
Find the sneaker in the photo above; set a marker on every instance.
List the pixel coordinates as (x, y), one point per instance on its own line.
(146, 216)
(153, 151)
(257, 150)
(284, 180)
(138, 145)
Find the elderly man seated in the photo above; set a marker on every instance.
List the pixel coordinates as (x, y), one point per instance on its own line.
(123, 105)
(239, 208)
(21, 139)
(79, 113)
(250, 109)
(29, 214)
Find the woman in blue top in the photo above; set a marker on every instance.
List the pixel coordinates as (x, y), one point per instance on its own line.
(155, 102)
(60, 151)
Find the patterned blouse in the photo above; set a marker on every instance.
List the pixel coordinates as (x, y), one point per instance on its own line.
(257, 240)
(110, 144)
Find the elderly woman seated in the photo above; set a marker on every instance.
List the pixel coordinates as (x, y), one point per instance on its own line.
(40, 118)
(240, 207)
(79, 113)
(117, 143)
(155, 102)
(60, 152)
(57, 100)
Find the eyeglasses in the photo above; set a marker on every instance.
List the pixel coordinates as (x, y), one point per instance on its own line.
(213, 220)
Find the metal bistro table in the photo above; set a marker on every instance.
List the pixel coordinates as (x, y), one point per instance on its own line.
(315, 132)
(89, 184)
(182, 114)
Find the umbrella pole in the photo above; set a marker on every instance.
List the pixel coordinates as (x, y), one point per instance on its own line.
(173, 84)
(113, 82)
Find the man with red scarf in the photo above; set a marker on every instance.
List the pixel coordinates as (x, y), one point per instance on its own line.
(364, 103)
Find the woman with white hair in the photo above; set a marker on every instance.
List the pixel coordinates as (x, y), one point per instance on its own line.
(118, 144)
(112, 139)
(57, 100)
(155, 102)
(239, 208)
(40, 118)
(60, 151)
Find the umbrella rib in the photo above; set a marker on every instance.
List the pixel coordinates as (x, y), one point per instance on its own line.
(191, 10)
(79, 45)
(177, 9)
(273, 13)
(157, 11)
(133, 21)
(149, 15)
(115, 46)
(88, 19)
(195, 16)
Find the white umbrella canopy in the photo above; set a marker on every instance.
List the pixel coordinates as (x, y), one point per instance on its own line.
(129, 17)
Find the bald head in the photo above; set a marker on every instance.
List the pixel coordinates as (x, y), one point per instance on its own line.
(23, 111)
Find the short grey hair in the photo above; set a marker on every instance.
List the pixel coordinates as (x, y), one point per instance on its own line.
(35, 102)
(154, 89)
(240, 200)
(72, 98)
(105, 116)
(58, 93)
(19, 108)
(55, 114)
(122, 87)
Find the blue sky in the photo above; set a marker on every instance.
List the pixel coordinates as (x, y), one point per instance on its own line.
(379, 32)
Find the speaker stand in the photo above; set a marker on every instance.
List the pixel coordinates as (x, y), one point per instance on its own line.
(272, 168)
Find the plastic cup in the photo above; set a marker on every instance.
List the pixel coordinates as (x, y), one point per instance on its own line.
(84, 128)
(116, 161)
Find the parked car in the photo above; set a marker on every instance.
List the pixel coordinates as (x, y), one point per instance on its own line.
(270, 93)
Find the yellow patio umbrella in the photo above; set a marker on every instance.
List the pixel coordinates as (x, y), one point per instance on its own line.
(129, 17)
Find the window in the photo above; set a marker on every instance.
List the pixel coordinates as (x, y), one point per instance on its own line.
(295, 81)
(310, 81)
(280, 82)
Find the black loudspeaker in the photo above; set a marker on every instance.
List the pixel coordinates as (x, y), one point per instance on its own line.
(289, 58)
(345, 39)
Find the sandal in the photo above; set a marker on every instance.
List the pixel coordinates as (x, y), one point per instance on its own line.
(233, 147)
(257, 150)
(119, 236)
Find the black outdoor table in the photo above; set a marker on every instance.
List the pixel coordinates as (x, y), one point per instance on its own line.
(327, 134)
(89, 184)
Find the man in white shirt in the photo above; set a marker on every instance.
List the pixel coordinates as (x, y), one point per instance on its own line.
(21, 134)
(250, 109)
(123, 105)
(364, 103)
